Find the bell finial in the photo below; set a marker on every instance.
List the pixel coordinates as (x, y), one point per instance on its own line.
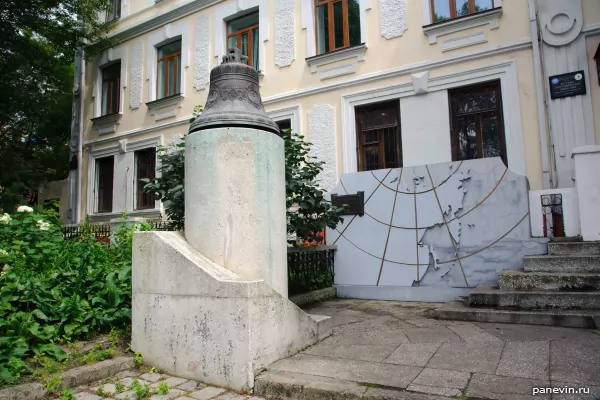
(234, 55)
(234, 98)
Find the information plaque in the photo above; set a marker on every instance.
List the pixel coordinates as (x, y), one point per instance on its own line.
(566, 85)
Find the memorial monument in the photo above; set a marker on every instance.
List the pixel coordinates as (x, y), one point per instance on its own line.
(212, 304)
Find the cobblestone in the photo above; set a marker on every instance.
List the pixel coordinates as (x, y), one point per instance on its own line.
(119, 387)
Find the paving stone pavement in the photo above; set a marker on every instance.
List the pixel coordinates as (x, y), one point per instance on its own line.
(396, 345)
(388, 346)
(122, 387)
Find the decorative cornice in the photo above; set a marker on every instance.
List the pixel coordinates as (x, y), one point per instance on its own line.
(106, 123)
(174, 100)
(162, 19)
(406, 69)
(490, 17)
(357, 52)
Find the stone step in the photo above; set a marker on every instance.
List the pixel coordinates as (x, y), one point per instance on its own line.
(564, 263)
(286, 385)
(565, 281)
(458, 311)
(491, 296)
(574, 248)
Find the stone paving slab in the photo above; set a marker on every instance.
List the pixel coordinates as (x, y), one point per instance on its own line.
(416, 354)
(501, 388)
(434, 334)
(375, 353)
(576, 361)
(525, 360)
(467, 357)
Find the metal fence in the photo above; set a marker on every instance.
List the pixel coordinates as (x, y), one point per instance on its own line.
(552, 213)
(310, 268)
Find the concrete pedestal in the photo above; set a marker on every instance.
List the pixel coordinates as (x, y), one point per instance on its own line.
(235, 202)
(587, 181)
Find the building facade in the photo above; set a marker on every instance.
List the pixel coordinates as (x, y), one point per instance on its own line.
(373, 84)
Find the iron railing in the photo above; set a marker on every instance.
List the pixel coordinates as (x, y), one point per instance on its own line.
(552, 214)
(310, 268)
(100, 231)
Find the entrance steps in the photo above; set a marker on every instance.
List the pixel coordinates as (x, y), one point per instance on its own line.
(560, 289)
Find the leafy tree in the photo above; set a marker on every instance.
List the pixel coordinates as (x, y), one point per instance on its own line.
(308, 213)
(40, 39)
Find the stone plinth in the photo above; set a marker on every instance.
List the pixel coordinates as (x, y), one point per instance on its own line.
(195, 319)
(235, 202)
(587, 182)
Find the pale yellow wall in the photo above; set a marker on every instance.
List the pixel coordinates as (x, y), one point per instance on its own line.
(591, 12)
(411, 48)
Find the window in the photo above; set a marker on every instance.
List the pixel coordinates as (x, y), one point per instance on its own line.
(114, 10)
(597, 58)
(242, 33)
(443, 10)
(105, 168)
(476, 122)
(337, 24)
(284, 124)
(169, 70)
(378, 136)
(145, 167)
(111, 94)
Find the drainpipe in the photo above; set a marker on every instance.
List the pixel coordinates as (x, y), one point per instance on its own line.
(80, 142)
(541, 105)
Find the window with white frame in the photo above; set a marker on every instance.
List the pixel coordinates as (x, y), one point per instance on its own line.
(111, 94)
(168, 81)
(145, 169)
(337, 24)
(104, 182)
(444, 10)
(113, 12)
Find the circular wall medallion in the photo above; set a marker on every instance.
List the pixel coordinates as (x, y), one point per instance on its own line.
(562, 28)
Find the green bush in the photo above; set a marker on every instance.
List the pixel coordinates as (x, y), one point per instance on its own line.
(55, 291)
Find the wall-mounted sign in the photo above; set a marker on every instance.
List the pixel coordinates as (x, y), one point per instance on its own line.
(566, 85)
(354, 203)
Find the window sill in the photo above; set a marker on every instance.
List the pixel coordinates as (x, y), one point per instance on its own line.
(490, 17)
(106, 123)
(357, 52)
(166, 107)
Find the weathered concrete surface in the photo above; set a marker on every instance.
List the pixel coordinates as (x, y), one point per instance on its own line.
(314, 297)
(567, 263)
(195, 319)
(430, 358)
(235, 202)
(521, 280)
(490, 296)
(458, 311)
(572, 248)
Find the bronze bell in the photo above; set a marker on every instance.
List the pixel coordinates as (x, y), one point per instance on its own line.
(233, 98)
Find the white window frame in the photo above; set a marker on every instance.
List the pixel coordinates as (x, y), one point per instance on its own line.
(292, 113)
(105, 59)
(308, 24)
(168, 33)
(132, 147)
(506, 72)
(92, 208)
(232, 9)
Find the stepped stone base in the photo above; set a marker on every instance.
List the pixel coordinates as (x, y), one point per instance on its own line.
(490, 296)
(566, 263)
(574, 248)
(457, 310)
(195, 319)
(564, 281)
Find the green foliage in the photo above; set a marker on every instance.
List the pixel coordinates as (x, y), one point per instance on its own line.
(137, 360)
(67, 394)
(119, 387)
(100, 391)
(40, 39)
(308, 213)
(77, 288)
(141, 390)
(163, 388)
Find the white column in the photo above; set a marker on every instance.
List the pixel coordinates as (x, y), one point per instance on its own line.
(587, 182)
(235, 202)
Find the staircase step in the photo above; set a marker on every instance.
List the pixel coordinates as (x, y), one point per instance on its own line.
(574, 248)
(564, 281)
(458, 311)
(491, 296)
(564, 263)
